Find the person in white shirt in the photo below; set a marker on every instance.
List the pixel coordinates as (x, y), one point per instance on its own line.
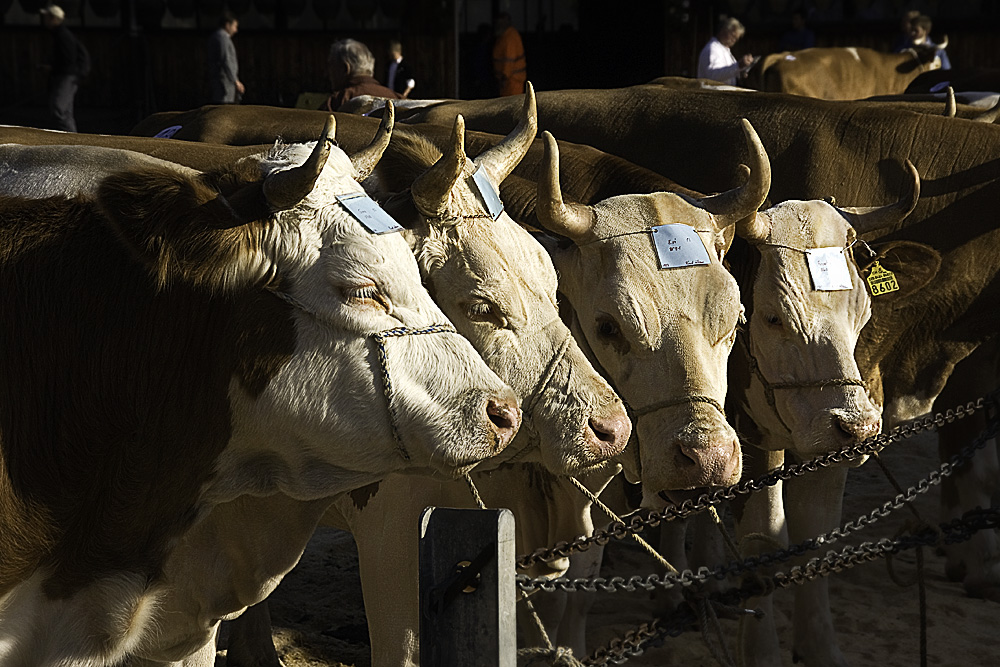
(717, 62)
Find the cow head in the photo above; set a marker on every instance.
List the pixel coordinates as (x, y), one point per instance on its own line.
(806, 392)
(663, 336)
(371, 382)
(498, 287)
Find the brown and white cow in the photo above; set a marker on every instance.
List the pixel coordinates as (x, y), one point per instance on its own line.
(843, 73)
(195, 363)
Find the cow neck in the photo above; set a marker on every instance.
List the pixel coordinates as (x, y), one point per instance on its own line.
(744, 336)
(378, 338)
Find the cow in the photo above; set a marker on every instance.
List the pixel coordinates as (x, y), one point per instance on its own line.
(847, 150)
(704, 449)
(842, 73)
(197, 361)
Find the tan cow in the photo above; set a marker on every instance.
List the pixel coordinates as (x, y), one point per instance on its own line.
(843, 73)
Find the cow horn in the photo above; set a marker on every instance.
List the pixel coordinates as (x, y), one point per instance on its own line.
(867, 220)
(500, 160)
(285, 189)
(574, 221)
(364, 161)
(943, 45)
(430, 190)
(950, 106)
(734, 205)
(991, 115)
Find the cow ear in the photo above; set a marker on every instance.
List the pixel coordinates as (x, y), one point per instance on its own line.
(913, 266)
(184, 230)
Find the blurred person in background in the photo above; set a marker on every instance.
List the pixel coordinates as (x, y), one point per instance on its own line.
(399, 77)
(224, 85)
(69, 65)
(509, 64)
(351, 66)
(717, 62)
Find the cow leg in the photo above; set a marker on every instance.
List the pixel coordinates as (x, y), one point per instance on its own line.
(814, 505)
(976, 563)
(250, 643)
(760, 528)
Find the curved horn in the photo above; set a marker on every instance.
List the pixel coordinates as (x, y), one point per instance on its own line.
(950, 106)
(500, 160)
(866, 220)
(430, 189)
(364, 161)
(733, 205)
(574, 221)
(991, 115)
(943, 45)
(285, 189)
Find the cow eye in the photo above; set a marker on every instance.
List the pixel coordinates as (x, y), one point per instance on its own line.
(607, 328)
(366, 295)
(610, 333)
(773, 320)
(487, 313)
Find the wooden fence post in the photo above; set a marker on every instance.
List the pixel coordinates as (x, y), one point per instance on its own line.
(467, 588)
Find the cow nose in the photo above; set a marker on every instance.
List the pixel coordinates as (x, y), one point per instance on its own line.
(857, 427)
(710, 461)
(504, 417)
(607, 435)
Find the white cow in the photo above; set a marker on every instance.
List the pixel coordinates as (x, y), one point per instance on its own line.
(195, 364)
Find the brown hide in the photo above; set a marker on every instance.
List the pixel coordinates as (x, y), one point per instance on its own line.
(841, 73)
(113, 390)
(849, 150)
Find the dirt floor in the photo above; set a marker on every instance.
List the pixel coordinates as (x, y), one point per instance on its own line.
(319, 617)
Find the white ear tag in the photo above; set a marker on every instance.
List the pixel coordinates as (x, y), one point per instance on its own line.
(828, 268)
(368, 213)
(488, 193)
(678, 246)
(167, 132)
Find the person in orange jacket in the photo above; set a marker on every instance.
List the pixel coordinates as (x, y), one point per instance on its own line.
(509, 65)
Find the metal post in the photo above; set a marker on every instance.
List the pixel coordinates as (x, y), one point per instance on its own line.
(467, 588)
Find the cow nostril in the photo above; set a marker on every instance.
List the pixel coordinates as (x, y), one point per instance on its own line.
(503, 416)
(604, 432)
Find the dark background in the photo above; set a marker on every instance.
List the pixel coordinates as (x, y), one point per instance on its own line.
(144, 62)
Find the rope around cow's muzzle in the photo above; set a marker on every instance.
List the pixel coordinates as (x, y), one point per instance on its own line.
(383, 359)
(379, 338)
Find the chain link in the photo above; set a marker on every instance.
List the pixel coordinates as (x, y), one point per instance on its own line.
(651, 519)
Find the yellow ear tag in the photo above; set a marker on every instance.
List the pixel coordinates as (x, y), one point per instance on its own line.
(882, 281)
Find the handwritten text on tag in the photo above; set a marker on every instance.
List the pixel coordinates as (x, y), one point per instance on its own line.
(882, 280)
(828, 268)
(488, 193)
(679, 246)
(368, 213)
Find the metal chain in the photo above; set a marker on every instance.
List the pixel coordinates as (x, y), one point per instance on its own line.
(636, 641)
(686, 578)
(651, 519)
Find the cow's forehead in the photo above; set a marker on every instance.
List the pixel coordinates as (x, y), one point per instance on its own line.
(809, 224)
(628, 213)
(500, 250)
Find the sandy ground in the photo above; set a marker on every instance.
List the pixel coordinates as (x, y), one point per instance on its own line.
(319, 617)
